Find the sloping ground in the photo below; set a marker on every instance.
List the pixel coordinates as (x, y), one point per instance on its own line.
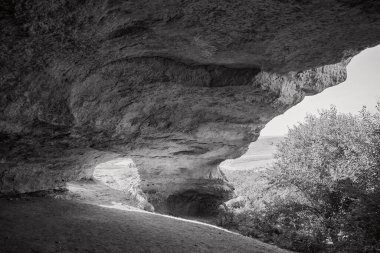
(259, 154)
(35, 224)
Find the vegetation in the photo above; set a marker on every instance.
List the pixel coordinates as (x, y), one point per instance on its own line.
(322, 194)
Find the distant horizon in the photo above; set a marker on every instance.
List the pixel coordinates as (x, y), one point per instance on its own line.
(362, 88)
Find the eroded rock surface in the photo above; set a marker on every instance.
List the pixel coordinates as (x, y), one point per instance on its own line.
(178, 86)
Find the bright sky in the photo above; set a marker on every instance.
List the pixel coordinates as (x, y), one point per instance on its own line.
(362, 87)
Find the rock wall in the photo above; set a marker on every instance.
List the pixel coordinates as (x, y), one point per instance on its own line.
(178, 86)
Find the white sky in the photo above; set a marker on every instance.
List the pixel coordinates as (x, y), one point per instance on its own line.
(362, 87)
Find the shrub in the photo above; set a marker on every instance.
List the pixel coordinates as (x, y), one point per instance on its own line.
(323, 192)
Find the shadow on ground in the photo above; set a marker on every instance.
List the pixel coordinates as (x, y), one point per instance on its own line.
(44, 224)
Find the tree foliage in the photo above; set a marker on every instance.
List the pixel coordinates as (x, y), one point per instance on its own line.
(332, 164)
(323, 192)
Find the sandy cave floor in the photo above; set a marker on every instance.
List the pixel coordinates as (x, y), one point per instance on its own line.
(45, 224)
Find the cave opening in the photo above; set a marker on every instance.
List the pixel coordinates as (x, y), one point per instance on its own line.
(361, 88)
(314, 145)
(119, 174)
(115, 182)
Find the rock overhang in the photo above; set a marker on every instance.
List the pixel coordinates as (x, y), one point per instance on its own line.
(178, 86)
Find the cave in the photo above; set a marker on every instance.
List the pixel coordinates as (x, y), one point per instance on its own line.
(178, 87)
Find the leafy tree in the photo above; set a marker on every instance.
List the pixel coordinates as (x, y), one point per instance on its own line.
(329, 165)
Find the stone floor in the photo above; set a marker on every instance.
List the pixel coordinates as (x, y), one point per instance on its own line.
(45, 224)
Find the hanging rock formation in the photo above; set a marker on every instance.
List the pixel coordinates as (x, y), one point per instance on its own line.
(178, 86)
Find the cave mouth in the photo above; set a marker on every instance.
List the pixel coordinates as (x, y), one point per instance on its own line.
(120, 174)
(194, 204)
(113, 183)
(360, 88)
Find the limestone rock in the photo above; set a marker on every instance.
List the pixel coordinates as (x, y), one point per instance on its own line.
(177, 86)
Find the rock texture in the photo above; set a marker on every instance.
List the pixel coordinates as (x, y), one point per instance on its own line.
(177, 86)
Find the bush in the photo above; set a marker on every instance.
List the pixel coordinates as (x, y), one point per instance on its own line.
(323, 192)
